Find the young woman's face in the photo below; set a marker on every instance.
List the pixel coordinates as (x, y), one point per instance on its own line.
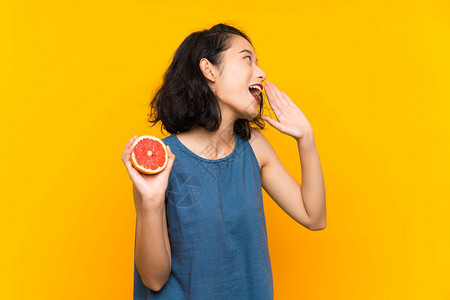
(240, 71)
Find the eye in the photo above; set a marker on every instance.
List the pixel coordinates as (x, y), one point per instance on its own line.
(249, 57)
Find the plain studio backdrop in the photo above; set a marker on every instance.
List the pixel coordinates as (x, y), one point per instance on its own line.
(76, 78)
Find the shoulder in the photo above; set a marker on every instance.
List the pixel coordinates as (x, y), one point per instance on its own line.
(169, 140)
(261, 147)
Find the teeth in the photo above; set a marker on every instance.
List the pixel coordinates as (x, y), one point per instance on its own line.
(256, 87)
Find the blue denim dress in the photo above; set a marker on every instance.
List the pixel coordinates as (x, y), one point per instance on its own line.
(216, 228)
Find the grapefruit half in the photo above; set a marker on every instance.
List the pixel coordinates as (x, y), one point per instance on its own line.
(149, 155)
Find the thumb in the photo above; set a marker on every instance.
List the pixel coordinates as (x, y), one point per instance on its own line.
(171, 158)
(271, 121)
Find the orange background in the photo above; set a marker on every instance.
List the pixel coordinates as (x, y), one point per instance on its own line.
(372, 77)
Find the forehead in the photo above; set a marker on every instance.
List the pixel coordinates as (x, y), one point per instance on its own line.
(238, 44)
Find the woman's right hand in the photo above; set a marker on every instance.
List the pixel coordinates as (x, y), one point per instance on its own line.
(149, 187)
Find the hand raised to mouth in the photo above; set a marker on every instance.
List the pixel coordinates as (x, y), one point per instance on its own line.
(291, 120)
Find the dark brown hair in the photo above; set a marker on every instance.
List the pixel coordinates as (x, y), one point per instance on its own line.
(184, 98)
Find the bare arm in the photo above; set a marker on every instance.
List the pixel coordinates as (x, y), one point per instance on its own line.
(305, 203)
(313, 186)
(153, 255)
(152, 252)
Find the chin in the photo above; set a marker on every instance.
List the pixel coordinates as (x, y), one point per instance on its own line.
(252, 112)
(249, 111)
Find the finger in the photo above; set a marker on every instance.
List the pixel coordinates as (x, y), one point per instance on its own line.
(171, 153)
(126, 149)
(277, 110)
(280, 95)
(289, 100)
(133, 173)
(273, 101)
(271, 121)
(270, 93)
(272, 90)
(131, 141)
(276, 91)
(171, 159)
(131, 146)
(126, 156)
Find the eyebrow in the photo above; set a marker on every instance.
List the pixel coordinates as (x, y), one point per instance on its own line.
(245, 50)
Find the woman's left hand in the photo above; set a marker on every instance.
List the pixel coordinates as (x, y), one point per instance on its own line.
(291, 119)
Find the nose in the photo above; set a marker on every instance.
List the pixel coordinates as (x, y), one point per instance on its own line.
(261, 73)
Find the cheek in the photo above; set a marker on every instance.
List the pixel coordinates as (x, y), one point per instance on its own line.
(230, 89)
(233, 85)
(236, 78)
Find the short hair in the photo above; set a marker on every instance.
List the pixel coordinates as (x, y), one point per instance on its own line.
(184, 98)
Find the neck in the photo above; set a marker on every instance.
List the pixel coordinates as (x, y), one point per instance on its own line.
(222, 139)
(210, 144)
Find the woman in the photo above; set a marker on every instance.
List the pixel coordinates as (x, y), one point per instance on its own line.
(200, 224)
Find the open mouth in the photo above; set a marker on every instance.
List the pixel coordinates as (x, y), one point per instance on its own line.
(255, 90)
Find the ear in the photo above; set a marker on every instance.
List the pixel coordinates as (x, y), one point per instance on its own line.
(208, 70)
